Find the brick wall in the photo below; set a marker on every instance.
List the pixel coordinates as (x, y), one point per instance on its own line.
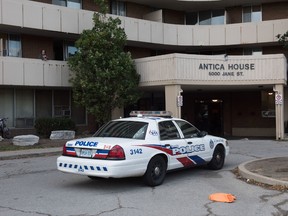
(275, 11)
(137, 10)
(32, 49)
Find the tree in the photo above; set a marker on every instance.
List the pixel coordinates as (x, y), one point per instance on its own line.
(283, 39)
(103, 75)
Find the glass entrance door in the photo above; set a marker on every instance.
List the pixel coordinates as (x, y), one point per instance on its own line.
(209, 116)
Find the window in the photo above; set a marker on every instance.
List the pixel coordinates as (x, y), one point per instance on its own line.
(123, 129)
(77, 4)
(14, 45)
(268, 104)
(118, 8)
(214, 17)
(168, 130)
(252, 14)
(70, 50)
(252, 51)
(187, 129)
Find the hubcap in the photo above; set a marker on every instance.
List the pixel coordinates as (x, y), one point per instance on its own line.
(157, 171)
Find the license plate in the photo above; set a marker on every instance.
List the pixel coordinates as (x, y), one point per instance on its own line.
(86, 153)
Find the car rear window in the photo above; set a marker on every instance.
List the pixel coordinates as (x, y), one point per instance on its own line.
(123, 129)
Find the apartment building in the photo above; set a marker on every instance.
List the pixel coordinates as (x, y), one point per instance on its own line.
(217, 64)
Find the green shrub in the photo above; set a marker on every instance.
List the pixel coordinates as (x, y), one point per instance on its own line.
(44, 126)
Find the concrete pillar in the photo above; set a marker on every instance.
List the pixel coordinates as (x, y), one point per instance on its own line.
(171, 93)
(279, 111)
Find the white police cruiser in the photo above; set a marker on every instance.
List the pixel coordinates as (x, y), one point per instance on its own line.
(146, 145)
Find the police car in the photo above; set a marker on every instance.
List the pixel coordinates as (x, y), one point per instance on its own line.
(148, 144)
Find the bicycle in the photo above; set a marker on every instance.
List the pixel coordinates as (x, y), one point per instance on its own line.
(3, 128)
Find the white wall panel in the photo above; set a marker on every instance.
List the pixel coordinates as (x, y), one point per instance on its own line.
(170, 34)
(51, 18)
(217, 36)
(85, 20)
(280, 27)
(131, 29)
(13, 72)
(33, 73)
(249, 33)
(65, 75)
(69, 21)
(52, 75)
(233, 34)
(144, 31)
(265, 32)
(32, 16)
(201, 36)
(12, 12)
(157, 33)
(184, 35)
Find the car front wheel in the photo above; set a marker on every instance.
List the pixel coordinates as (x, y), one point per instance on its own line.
(156, 171)
(218, 158)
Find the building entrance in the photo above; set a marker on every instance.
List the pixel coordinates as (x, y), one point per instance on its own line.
(209, 116)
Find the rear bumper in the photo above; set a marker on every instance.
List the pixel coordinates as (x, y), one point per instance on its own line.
(101, 168)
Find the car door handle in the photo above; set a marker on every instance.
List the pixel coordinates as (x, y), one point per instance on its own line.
(167, 145)
(189, 143)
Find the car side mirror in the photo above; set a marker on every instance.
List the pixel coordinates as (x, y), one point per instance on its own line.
(202, 133)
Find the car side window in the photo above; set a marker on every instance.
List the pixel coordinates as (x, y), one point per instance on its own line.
(168, 130)
(187, 129)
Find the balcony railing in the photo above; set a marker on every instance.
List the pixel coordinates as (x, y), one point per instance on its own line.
(33, 72)
(35, 15)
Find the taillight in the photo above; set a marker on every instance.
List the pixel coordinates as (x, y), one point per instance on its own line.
(116, 153)
(64, 151)
(68, 151)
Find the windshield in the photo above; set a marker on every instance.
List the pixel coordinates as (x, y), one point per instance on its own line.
(123, 129)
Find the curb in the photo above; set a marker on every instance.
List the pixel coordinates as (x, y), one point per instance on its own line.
(10, 155)
(259, 178)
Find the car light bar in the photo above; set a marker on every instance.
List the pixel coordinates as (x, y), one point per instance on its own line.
(151, 113)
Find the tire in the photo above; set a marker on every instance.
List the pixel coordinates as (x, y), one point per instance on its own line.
(156, 171)
(217, 161)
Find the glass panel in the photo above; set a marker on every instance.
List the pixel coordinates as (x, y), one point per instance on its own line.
(6, 108)
(205, 18)
(24, 108)
(256, 14)
(62, 103)
(59, 2)
(268, 104)
(218, 17)
(247, 14)
(168, 130)
(123, 129)
(188, 130)
(74, 4)
(70, 50)
(121, 9)
(14, 46)
(43, 101)
(191, 18)
(118, 8)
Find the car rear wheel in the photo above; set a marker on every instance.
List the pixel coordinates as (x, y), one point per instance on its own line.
(218, 158)
(156, 171)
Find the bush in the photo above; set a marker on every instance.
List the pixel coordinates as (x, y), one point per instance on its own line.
(44, 126)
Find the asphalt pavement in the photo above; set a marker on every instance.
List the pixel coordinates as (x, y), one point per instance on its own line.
(271, 171)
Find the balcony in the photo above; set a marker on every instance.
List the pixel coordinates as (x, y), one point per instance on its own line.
(33, 72)
(54, 19)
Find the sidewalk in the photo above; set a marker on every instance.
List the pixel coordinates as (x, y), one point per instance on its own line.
(8, 155)
(271, 171)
